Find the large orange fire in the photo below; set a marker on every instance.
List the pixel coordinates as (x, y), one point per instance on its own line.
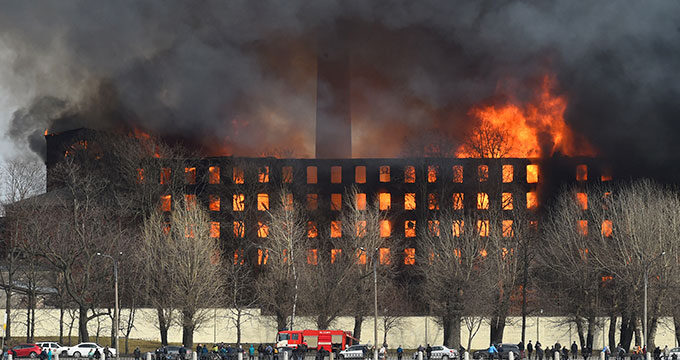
(528, 130)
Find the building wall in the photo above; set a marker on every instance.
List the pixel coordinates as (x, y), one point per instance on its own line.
(409, 333)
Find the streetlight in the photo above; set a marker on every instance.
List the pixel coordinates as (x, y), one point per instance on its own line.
(116, 319)
(375, 303)
(537, 325)
(646, 280)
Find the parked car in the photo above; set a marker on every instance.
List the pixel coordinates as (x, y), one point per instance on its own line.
(25, 350)
(83, 349)
(674, 351)
(504, 351)
(441, 352)
(50, 345)
(354, 352)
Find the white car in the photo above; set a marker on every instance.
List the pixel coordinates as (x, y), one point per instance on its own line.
(50, 345)
(354, 352)
(440, 352)
(83, 349)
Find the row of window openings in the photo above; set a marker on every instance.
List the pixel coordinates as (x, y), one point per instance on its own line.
(238, 176)
(482, 228)
(384, 256)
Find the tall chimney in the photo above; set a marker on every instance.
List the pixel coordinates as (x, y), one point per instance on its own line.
(333, 115)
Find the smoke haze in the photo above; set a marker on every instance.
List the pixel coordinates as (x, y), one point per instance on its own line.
(239, 77)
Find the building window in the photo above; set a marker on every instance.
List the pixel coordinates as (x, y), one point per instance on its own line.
(214, 229)
(262, 230)
(506, 201)
(360, 174)
(190, 175)
(410, 174)
(361, 257)
(214, 203)
(336, 174)
(214, 175)
(140, 176)
(287, 174)
(384, 256)
(361, 228)
(288, 202)
(607, 228)
(483, 173)
(433, 227)
(336, 229)
(239, 257)
(385, 228)
(483, 228)
(262, 202)
(582, 172)
(532, 200)
(166, 202)
(189, 231)
(312, 201)
(409, 256)
(312, 230)
(190, 200)
(410, 228)
(457, 228)
(384, 173)
(384, 201)
(312, 256)
(482, 201)
(263, 174)
(262, 256)
(582, 200)
(238, 176)
(458, 201)
(606, 174)
(361, 201)
(335, 255)
(507, 230)
(432, 201)
(410, 201)
(508, 173)
(239, 202)
(432, 172)
(532, 174)
(583, 227)
(311, 175)
(458, 174)
(336, 202)
(239, 229)
(165, 176)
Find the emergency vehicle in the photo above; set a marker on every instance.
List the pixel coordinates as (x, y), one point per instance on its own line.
(330, 340)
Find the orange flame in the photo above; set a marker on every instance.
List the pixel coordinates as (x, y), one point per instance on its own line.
(147, 140)
(525, 128)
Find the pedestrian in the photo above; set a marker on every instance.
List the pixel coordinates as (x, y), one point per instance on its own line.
(574, 350)
(492, 351)
(657, 353)
(428, 351)
(251, 352)
(381, 353)
(530, 349)
(137, 353)
(182, 352)
(565, 353)
(539, 351)
(97, 354)
(666, 352)
(43, 355)
(400, 352)
(520, 346)
(606, 352)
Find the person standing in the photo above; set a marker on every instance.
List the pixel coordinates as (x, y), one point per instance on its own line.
(49, 354)
(251, 352)
(574, 350)
(428, 351)
(530, 349)
(492, 351)
(400, 352)
(539, 351)
(520, 346)
(137, 353)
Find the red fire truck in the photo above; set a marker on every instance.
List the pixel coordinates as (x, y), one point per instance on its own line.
(330, 340)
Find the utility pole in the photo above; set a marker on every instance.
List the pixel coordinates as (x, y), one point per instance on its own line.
(116, 311)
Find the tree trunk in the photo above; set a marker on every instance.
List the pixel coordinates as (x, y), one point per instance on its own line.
(451, 324)
(676, 325)
(497, 329)
(591, 332)
(281, 321)
(322, 322)
(163, 326)
(525, 281)
(188, 327)
(61, 323)
(612, 331)
(579, 329)
(28, 319)
(113, 332)
(651, 332)
(33, 319)
(626, 336)
(238, 327)
(8, 301)
(358, 321)
(83, 334)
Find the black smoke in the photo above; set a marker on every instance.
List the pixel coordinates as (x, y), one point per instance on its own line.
(242, 74)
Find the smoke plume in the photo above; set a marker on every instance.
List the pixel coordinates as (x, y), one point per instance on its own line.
(240, 76)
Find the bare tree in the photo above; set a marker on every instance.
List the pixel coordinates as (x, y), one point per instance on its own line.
(486, 141)
(184, 252)
(241, 295)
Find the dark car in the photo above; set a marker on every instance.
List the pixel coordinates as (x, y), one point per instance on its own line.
(504, 351)
(25, 350)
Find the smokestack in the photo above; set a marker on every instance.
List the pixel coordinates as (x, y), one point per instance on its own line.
(333, 115)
